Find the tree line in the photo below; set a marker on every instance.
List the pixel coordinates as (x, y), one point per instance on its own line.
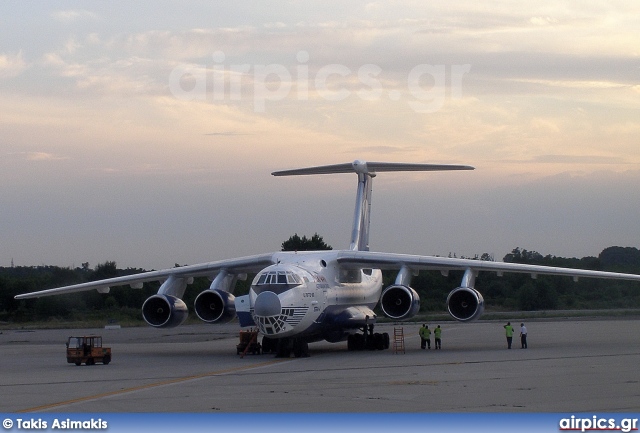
(510, 292)
(520, 292)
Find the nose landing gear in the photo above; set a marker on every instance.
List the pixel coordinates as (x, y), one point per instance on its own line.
(286, 346)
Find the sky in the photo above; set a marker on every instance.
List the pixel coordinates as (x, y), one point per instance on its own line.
(145, 132)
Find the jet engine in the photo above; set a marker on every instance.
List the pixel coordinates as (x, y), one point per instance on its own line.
(164, 311)
(215, 306)
(399, 302)
(465, 304)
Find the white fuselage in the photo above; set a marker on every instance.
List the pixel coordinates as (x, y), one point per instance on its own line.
(304, 290)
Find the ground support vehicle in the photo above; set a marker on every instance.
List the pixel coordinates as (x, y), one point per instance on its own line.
(87, 350)
(249, 343)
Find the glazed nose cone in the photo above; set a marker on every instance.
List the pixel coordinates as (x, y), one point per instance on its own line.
(267, 304)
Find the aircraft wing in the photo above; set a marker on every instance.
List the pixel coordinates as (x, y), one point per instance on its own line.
(232, 266)
(370, 259)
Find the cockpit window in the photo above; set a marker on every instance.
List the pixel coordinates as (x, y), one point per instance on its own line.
(282, 278)
(293, 279)
(276, 281)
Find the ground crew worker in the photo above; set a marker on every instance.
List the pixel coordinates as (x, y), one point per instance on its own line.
(509, 332)
(523, 336)
(427, 336)
(437, 333)
(423, 336)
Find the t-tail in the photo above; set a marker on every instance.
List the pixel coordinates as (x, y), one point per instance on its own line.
(366, 171)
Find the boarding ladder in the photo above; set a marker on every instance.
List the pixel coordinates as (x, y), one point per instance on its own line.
(398, 340)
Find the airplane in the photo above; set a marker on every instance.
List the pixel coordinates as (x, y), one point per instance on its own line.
(300, 297)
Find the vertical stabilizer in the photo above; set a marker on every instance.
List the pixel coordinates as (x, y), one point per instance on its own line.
(366, 171)
(361, 215)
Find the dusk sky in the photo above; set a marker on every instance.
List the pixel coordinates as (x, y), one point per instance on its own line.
(145, 132)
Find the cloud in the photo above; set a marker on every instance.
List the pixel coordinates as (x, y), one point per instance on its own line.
(577, 84)
(12, 65)
(579, 159)
(40, 156)
(228, 133)
(72, 15)
(276, 25)
(543, 21)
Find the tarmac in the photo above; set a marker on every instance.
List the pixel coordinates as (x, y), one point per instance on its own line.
(571, 365)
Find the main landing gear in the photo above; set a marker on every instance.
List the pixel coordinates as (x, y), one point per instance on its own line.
(284, 347)
(368, 340)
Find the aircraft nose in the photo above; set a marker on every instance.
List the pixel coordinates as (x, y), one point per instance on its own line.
(267, 304)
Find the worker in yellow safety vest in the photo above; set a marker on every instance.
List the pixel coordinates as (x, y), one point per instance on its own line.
(509, 332)
(437, 333)
(425, 337)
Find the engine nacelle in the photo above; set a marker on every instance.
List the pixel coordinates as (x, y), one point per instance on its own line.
(164, 311)
(399, 302)
(215, 306)
(465, 304)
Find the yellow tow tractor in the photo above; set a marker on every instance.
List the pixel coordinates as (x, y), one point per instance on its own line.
(88, 350)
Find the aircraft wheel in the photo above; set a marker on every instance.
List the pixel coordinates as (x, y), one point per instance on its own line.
(268, 345)
(374, 341)
(358, 341)
(300, 349)
(283, 349)
(350, 343)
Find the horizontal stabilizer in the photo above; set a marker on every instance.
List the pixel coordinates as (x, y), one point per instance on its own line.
(370, 167)
(366, 171)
